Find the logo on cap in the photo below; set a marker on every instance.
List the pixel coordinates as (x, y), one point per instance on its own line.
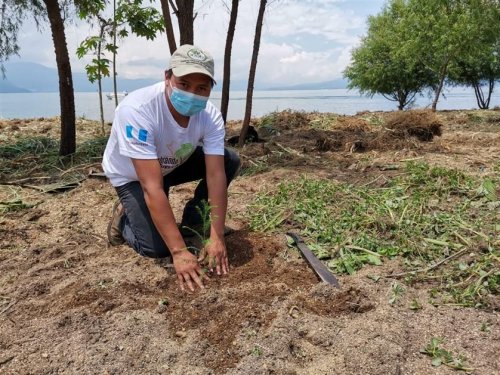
(196, 54)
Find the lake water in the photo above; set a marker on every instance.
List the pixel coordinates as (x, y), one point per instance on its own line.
(341, 101)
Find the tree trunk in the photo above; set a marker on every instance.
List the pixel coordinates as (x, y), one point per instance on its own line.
(227, 59)
(442, 76)
(168, 26)
(251, 76)
(491, 87)
(115, 89)
(402, 99)
(185, 9)
(66, 94)
(99, 76)
(483, 103)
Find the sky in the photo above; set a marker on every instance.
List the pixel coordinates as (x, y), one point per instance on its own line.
(303, 41)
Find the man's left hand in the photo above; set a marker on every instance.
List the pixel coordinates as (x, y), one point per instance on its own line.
(215, 254)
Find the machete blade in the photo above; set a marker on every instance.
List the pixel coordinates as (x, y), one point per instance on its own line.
(319, 268)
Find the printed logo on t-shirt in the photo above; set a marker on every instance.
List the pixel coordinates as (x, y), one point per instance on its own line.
(180, 156)
(184, 151)
(142, 135)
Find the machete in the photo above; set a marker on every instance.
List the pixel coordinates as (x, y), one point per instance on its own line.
(318, 267)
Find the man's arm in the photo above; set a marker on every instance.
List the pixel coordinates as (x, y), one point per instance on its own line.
(217, 196)
(151, 180)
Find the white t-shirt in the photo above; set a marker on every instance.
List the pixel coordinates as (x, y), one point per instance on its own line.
(144, 128)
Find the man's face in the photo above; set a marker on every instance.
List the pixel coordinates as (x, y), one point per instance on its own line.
(195, 83)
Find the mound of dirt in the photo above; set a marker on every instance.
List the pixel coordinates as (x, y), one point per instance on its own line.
(423, 125)
(346, 133)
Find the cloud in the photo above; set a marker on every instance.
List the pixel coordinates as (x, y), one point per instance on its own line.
(326, 19)
(302, 41)
(293, 65)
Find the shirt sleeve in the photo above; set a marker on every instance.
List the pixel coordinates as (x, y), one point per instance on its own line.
(135, 134)
(213, 142)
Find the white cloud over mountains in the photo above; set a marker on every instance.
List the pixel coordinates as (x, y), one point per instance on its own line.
(302, 41)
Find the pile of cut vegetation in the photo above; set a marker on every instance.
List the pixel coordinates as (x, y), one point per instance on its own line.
(329, 132)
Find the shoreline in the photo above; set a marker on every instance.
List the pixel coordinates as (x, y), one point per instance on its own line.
(338, 101)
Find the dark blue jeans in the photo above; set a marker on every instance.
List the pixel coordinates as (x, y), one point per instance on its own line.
(137, 226)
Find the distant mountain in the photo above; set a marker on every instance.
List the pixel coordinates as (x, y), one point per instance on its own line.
(32, 77)
(7, 86)
(235, 85)
(326, 85)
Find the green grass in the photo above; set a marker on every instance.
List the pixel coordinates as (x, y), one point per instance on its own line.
(14, 205)
(255, 166)
(32, 145)
(34, 162)
(37, 156)
(425, 215)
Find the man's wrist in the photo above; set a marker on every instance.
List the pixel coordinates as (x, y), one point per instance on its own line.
(178, 251)
(217, 229)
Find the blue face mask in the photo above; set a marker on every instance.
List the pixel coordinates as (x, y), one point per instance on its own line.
(186, 103)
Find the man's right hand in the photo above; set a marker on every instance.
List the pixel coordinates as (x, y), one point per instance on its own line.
(188, 269)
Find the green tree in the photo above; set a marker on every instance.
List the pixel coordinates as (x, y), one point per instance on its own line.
(143, 21)
(12, 15)
(480, 67)
(380, 64)
(100, 65)
(441, 31)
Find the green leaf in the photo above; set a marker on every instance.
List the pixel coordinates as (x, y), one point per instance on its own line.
(462, 266)
(487, 189)
(437, 362)
(373, 259)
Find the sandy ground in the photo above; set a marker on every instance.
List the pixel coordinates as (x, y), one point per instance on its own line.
(69, 304)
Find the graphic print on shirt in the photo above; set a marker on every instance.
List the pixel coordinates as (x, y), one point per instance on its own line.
(180, 155)
(140, 139)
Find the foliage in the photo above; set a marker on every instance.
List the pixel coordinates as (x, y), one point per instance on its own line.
(424, 215)
(397, 291)
(99, 66)
(441, 356)
(202, 232)
(12, 15)
(442, 32)
(481, 67)
(14, 205)
(143, 21)
(416, 44)
(378, 64)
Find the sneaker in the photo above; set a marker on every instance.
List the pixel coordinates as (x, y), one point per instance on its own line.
(115, 237)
